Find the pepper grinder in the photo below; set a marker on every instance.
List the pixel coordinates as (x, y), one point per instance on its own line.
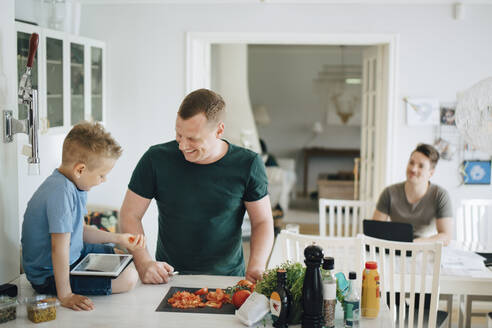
(312, 289)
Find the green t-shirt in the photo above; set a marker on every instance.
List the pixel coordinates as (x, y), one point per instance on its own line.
(201, 206)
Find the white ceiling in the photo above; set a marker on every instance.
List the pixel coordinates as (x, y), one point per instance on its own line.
(338, 2)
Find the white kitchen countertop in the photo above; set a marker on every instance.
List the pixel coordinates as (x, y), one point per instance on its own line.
(137, 308)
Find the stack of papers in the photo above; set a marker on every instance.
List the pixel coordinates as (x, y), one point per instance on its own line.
(458, 262)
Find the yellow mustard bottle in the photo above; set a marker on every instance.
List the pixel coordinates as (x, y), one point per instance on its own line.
(370, 290)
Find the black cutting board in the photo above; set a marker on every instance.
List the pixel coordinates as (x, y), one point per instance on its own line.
(226, 308)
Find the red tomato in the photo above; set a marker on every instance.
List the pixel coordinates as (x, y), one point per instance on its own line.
(240, 297)
(202, 291)
(246, 283)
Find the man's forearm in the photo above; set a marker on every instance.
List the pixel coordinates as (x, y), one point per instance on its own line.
(261, 244)
(134, 226)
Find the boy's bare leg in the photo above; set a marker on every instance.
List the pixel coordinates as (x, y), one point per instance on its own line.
(118, 251)
(126, 281)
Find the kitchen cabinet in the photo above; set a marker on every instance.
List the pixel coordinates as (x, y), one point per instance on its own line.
(69, 73)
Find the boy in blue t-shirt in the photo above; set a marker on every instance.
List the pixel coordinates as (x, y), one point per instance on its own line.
(54, 236)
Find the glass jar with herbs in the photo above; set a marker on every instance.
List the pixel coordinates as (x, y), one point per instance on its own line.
(8, 308)
(41, 308)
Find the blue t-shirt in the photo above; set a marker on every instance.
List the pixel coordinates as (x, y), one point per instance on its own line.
(57, 206)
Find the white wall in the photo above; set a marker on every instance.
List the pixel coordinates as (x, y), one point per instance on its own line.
(9, 228)
(281, 78)
(230, 80)
(146, 59)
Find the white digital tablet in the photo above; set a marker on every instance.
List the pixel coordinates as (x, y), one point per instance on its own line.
(97, 264)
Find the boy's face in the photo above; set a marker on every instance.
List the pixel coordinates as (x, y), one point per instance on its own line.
(86, 179)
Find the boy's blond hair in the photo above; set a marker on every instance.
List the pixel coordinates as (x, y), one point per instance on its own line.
(88, 143)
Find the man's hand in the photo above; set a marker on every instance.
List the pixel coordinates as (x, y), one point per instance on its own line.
(254, 274)
(154, 272)
(77, 302)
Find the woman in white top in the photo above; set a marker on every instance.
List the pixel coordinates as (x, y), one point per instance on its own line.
(417, 201)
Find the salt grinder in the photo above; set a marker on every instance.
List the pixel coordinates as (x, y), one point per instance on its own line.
(312, 289)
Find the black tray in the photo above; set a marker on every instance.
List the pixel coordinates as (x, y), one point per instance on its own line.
(226, 308)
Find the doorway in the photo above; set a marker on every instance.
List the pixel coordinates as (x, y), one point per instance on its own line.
(376, 145)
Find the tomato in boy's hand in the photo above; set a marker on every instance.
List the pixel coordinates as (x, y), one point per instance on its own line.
(240, 297)
(131, 239)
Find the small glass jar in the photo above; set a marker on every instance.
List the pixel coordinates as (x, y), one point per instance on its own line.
(41, 308)
(8, 308)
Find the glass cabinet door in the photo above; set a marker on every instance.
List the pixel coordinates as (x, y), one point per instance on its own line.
(77, 83)
(96, 81)
(54, 79)
(22, 52)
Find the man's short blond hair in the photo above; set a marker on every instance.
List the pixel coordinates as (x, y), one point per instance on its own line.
(203, 101)
(88, 143)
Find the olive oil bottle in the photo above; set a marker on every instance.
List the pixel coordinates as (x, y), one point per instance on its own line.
(280, 301)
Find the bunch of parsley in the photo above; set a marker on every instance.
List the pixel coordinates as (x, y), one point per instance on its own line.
(295, 281)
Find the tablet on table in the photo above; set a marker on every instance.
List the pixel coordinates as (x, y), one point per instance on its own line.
(97, 264)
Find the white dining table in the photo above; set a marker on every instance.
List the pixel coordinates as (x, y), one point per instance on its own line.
(464, 275)
(137, 309)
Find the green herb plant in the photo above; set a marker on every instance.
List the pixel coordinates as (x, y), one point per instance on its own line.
(295, 280)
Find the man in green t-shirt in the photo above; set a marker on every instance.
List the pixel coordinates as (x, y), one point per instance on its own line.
(202, 186)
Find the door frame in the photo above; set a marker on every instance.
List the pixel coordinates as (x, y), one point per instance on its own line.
(9, 168)
(198, 68)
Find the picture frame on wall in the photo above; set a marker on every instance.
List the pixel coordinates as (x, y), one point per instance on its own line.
(445, 149)
(476, 172)
(422, 111)
(448, 114)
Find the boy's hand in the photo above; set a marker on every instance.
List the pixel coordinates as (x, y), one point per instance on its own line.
(77, 302)
(131, 242)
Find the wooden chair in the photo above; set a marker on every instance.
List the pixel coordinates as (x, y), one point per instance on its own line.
(408, 276)
(473, 226)
(348, 214)
(290, 246)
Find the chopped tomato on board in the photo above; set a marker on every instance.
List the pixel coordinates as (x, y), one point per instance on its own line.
(185, 300)
(217, 296)
(213, 304)
(202, 291)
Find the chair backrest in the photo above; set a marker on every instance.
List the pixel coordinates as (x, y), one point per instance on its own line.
(290, 246)
(348, 214)
(408, 275)
(474, 223)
